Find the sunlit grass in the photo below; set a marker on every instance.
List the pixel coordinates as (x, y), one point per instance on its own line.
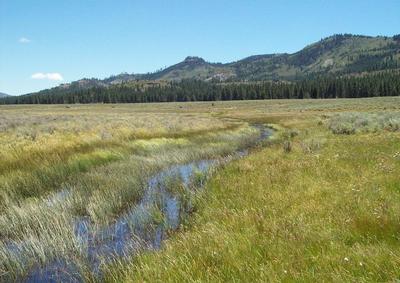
(312, 206)
(328, 210)
(99, 185)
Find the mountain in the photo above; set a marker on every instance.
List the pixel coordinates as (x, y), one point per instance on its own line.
(3, 94)
(194, 68)
(336, 55)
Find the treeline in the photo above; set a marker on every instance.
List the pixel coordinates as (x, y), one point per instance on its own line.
(379, 84)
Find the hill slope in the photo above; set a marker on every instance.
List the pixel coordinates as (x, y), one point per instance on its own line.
(335, 55)
(3, 94)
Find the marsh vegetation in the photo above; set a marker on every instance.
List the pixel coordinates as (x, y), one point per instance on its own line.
(319, 202)
(72, 177)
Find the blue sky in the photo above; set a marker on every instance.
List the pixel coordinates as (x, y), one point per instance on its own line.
(45, 42)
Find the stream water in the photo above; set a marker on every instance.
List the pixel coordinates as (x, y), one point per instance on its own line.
(142, 227)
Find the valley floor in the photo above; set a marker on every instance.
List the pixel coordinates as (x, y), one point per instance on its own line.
(312, 206)
(320, 201)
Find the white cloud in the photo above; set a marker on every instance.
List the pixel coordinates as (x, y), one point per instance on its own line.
(24, 40)
(47, 76)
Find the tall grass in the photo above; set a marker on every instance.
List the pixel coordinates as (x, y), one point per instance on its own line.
(36, 224)
(272, 216)
(33, 167)
(326, 211)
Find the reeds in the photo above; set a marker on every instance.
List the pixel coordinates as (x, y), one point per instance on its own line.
(93, 162)
(40, 207)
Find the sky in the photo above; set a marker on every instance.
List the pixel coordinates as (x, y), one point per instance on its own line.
(45, 42)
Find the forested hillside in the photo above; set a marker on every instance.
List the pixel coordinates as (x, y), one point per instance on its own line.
(336, 66)
(335, 55)
(368, 85)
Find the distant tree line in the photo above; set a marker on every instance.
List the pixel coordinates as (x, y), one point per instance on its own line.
(371, 85)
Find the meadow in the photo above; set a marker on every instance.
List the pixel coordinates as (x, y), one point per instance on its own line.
(319, 200)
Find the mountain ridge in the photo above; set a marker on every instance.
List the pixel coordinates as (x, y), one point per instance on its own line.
(336, 55)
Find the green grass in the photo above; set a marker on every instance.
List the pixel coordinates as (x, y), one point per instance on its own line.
(101, 186)
(81, 138)
(313, 205)
(331, 213)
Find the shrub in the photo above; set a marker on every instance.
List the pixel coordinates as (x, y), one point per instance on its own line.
(351, 123)
(312, 145)
(287, 146)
